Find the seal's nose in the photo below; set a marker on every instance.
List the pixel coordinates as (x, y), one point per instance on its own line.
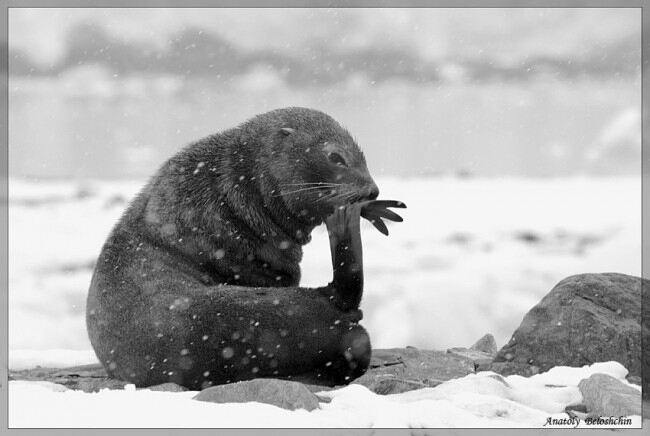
(373, 191)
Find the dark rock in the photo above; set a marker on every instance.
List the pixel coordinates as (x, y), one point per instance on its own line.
(577, 408)
(584, 319)
(87, 378)
(395, 385)
(92, 370)
(479, 359)
(167, 387)
(93, 385)
(528, 236)
(577, 411)
(481, 354)
(387, 357)
(486, 344)
(39, 373)
(282, 393)
(605, 395)
(398, 370)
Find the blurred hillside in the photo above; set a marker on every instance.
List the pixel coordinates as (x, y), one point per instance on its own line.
(487, 92)
(346, 43)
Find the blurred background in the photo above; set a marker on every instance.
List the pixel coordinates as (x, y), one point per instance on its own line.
(514, 135)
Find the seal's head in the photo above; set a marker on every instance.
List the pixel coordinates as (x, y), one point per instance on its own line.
(315, 165)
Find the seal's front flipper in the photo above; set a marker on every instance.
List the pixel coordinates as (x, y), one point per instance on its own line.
(375, 210)
(343, 226)
(344, 231)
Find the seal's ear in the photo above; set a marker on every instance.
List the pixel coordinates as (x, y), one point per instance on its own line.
(286, 131)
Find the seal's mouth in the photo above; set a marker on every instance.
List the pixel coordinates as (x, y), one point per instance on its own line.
(369, 191)
(372, 191)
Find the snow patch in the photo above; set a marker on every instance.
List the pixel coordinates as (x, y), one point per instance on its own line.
(476, 400)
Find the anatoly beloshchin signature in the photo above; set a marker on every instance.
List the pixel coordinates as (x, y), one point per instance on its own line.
(574, 421)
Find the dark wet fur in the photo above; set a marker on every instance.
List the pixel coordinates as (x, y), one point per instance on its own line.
(198, 282)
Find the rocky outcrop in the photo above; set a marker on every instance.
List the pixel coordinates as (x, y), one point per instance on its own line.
(391, 371)
(584, 319)
(481, 354)
(167, 387)
(486, 344)
(288, 395)
(398, 370)
(604, 395)
(87, 378)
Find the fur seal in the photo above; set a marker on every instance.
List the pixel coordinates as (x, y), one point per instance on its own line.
(197, 284)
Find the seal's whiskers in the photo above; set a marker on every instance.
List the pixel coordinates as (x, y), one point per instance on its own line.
(312, 183)
(310, 188)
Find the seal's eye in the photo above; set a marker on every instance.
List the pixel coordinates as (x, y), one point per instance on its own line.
(337, 159)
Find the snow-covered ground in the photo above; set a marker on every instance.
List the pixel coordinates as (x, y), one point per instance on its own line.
(477, 400)
(472, 256)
